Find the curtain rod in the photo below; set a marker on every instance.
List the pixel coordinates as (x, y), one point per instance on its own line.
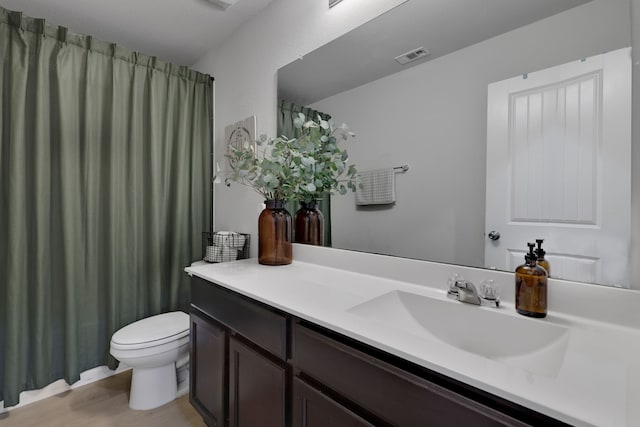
(402, 168)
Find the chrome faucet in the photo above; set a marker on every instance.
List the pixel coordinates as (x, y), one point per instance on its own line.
(465, 291)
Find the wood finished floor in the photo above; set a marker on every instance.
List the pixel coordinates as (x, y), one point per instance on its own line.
(101, 404)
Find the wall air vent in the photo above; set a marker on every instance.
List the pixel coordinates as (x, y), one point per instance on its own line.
(412, 55)
(222, 4)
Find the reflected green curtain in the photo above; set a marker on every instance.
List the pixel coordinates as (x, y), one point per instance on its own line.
(287, 111)
(105, 163)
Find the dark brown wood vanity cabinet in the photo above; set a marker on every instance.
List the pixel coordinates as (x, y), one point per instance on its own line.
(255, 366)
(239, 374)
(386, 394)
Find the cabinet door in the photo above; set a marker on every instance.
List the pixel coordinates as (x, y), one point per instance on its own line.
(256, 388)
(311, 408)
(207, 358)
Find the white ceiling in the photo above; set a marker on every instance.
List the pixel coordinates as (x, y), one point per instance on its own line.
(179, 31)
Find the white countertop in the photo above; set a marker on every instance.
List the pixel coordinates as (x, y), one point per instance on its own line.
(597, 383)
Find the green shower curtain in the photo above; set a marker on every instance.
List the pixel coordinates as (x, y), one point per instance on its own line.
(105, 162)
(287, 112)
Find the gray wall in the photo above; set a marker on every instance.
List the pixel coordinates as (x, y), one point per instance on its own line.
(245, 67)
(433, 117)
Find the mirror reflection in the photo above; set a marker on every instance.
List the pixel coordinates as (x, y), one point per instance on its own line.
(504, 114)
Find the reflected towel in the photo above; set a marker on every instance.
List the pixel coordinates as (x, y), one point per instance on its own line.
(376, 187)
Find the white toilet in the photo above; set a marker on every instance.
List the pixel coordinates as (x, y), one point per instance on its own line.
(152, 346)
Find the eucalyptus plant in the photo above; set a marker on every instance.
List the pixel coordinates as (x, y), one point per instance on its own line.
(271, 176)
(302, 168)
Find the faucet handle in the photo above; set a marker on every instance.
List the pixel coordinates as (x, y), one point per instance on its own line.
(453, 280)
(456, 282)
(489, 294)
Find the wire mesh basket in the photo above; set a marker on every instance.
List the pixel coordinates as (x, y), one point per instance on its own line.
(222, 246)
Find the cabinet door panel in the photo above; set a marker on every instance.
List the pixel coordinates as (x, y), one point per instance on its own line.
(311, 408)
(207, 358)
(256, 388)
(396, 396)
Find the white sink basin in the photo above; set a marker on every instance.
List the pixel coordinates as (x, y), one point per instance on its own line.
(534, 345)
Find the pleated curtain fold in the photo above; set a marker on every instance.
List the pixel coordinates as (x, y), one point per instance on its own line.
(105, 173)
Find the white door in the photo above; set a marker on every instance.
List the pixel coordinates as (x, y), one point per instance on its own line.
(559, 168)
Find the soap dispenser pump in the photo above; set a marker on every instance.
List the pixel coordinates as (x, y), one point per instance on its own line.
(531, 286)
(542, 262)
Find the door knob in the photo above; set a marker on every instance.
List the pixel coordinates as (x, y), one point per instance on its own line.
(494, 235)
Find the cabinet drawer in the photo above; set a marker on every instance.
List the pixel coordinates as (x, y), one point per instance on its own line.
(250, 319)
(395, 396)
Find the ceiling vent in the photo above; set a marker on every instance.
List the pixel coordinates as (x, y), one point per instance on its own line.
(412, 55)
(333, 3)
(222, 4)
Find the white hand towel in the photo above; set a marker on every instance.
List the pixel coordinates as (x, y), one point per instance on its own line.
(228, 238)
(212, 254)
(376, 187)
(226, 253)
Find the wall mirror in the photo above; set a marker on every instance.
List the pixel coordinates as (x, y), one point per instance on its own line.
(435, 114)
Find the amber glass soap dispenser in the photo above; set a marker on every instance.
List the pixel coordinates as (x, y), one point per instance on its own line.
(531, 287)
(542, 262)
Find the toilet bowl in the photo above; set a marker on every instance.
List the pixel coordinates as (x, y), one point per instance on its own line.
(152, 346)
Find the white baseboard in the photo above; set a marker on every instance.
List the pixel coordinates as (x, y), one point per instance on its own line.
(60, 386)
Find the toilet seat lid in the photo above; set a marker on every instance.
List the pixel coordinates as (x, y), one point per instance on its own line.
(154, 330)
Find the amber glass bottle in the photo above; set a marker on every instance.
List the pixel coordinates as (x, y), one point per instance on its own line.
(274, 234)
(309, 225)
(542, 262)
(531, 287)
